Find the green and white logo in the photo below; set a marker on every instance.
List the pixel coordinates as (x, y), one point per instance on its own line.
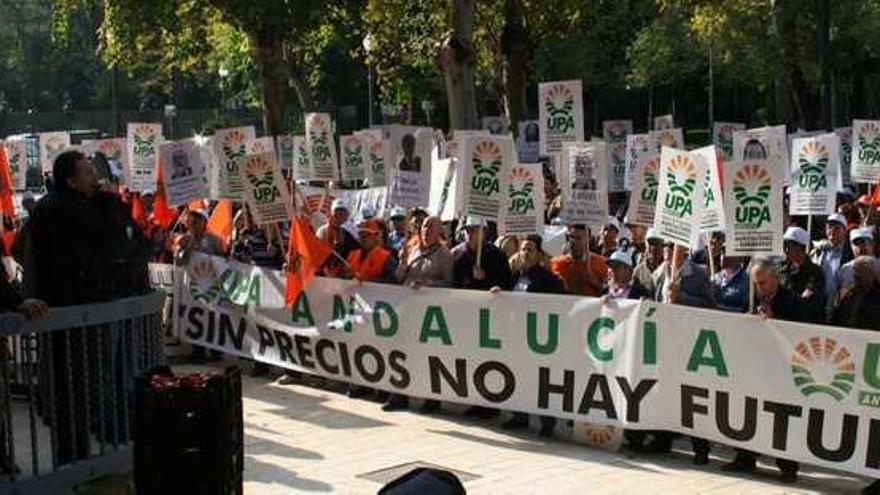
(813, 162)
(751, 189)
(822, 366)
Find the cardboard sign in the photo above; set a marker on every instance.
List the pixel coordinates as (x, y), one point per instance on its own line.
(528, 141)
(286, 153)
(753, 208)
(264, 189)
(646, 180)
(51, 145)
(722, 137)
(496, 125)
(637, 145)
(763, 143)
(143, 156)
(300, 159)
(184, 172)
(679, 197)
(866, 151)
(230, 148)
(561, 114)
(486, 172)
(524, 212)
(323, 165)
(614, 132)
(670, 138)
(260, 145)
(409, 180)
(583, 177)
(815, 175)
(713, 205)
(16, 153)
(846, 147)
(354, 157)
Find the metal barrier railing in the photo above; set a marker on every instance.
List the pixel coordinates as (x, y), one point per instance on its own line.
(66, 391)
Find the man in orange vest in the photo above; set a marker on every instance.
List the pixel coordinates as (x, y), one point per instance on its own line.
(372, 262)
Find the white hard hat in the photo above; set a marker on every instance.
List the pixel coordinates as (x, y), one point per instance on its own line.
(798, 235)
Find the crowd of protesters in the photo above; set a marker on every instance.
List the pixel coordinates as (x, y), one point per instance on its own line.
(80, 244)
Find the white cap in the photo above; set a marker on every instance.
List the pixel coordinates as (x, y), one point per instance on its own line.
(147, 191)
(837, 218)
(653, 234)
(862, 233)
(339, 204)
(798, 235)
(621, 257)
(473, 222)
(368, 212)
(613, 222)
(397, 212)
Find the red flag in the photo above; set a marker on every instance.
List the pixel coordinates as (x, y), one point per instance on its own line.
(875, 197)
(162, 214)
(138, 214)
(306, 254)
(220, 223)
(6, 203)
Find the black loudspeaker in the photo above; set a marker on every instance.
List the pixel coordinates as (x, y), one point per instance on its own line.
(425, 481)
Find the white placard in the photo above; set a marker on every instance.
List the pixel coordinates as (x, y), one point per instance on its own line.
(615, 132)
(528, 142)
(323, 165)
(582, 176)
(265, 190)
(524, 212)
(184, 172)
(713, 204)
(679, 197)
(486, 171)
(230, 148)
(354, 156)
(561, 114)
(51, 145)
(753, 207)
(815, 175)
(143, 156)
(866, 151)
(722, 137)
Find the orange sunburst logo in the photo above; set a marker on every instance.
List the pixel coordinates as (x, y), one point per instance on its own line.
(822, 366)
(666, 138)
(751, 184)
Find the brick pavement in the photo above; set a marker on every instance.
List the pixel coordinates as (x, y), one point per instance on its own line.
(311, 438)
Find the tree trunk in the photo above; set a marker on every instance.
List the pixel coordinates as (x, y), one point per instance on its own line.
(270, 63)
(826, 117)
(515, 43)
(457, 62)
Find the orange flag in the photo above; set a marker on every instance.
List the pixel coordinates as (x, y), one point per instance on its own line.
(162, 214)
(305, 255)
(138, 214)
(7, 206)
(875, 197)
(220, 223)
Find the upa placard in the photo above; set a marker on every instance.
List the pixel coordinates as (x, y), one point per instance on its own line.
(51, 145)
(230, 148)
(866, 151)
(615, 132)
(636, 145)
(16, 153)
(143, 156)
(583, 177)
(846, 147)
(671, 138)
(323, 164)
(354, 155)
(815, 174)
(300, 159)
(524, 212)
(561, 114)
(679, 197)
(486, 171)
(185, 177)
(264, 189)
(753, 208)
(643, 201)
(713, 205)
(722, 137)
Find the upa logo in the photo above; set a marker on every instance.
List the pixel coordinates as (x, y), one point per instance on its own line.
(259, 173)
(522, 186)
(869, 144)
(111, 149)
(559, 103)
(204, 279)
(751, 189)
(487, 164)
(813, 160)
(649, 176)
(351, 147)
(725, 139)
(821, 366)
(144, 140)
(618, 157)
(617, 132)
(319, 128)
(302, 156)
(682, 180)
(377, 158)
(666, 138)
(233, 149)
(871, 375)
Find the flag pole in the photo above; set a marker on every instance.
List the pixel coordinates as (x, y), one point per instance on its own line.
(480, 234)
(809, 227)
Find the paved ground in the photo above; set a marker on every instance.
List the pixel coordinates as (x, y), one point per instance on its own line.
(313, 439)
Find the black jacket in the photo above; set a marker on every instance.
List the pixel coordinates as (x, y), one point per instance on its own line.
(858, 310)
(83, 250)
(540, 281)
(494, 264)
(787, 306)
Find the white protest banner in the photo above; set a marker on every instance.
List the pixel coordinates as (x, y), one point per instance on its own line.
(561, 114)
(286, 153)
(444, 190)
(671, 138)
(51, 145)
(260, 145)
(524, 212)
(496, 125)
(16, 153)
(866, 151)
(815, 174)
(409, 179)
(713, 206)
(230, 148)
(354, 156)
(722, 137)
(584, 181)
(323, 165)
(643, 200)
(614, 133)
(753, 208)
(265, 191)
(846, 147)
(485, 173)
(639, 365)
(143, 156)
(763, 143)
(300, 158)
(636, 145)
(663, 122)
(185, 175)
(679, 197)
(528, 141)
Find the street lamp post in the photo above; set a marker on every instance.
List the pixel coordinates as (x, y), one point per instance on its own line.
(368, 45)
(427, 107)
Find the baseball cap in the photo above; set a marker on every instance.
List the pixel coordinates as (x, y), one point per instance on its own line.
(613, 222)
(368, 212)
(339, 204)
(473, 222)
(653, 234)
(864, 199)
(836, 218)
(619, 257)
(798, 235)
(147, 192)
(371, 226)
(397, 212)
(862, 233)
